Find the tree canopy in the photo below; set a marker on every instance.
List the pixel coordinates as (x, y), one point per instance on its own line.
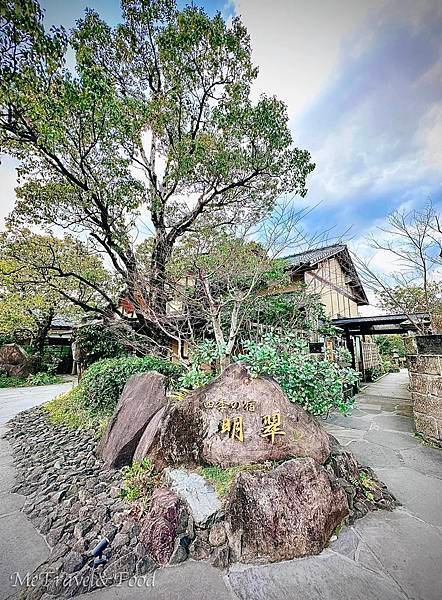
(41, 277)
(152, 125)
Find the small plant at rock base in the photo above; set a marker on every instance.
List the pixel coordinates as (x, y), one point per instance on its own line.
(222, 479)
(68, 410)
(139, 480)
(366, 484)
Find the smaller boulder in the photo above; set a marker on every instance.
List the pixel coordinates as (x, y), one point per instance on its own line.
(196, 492)
(143, 396)
(151, 434)
(15, 361)
(283, 514)
(161, 526)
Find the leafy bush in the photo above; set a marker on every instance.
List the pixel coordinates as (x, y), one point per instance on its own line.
(98, 342)
(68, 409)
(36, 379)
(103, 382)
(317, 385)
(194, 378)
(42, 379)
(10, 382)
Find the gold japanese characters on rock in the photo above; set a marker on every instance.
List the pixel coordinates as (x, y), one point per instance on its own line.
(233, 426)
(248, 406)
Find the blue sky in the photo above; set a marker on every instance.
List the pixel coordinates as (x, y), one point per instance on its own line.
(363, 83)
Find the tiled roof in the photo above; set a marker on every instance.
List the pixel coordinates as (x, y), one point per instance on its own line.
(309, 260)
(312, 257)
(62, 322)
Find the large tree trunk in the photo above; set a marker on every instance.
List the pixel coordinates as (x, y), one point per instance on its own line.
(39, 341)
(157, 294)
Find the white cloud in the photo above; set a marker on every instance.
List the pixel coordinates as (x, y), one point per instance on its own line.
(296, 44)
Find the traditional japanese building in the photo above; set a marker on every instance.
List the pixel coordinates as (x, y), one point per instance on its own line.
(330, 273)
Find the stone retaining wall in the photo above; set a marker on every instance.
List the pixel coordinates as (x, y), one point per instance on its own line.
(425, 368)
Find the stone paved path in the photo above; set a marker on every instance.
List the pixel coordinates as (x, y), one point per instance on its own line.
(22, 548)
(385, 556)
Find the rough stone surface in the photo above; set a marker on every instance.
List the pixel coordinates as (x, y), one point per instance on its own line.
(196, 492)
(217, 535)
(425, 369)
(73, 504)
(191, 432)
(365, 493)
(143, 396)
(429, 344)
(15, 361)
(161, 526)
(285, 513)
(426, 364)
(150, 436)
(428, 426)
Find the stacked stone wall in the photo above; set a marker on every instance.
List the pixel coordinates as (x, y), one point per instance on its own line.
(425, 368)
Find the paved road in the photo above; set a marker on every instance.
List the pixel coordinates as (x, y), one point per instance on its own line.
(15, 400)
(385, 556)
(22, 548)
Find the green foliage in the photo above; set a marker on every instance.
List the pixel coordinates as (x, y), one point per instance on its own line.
(179, 75)
(11, 382)
(317, 385)
(103, 382)
(411, 299)
(68, 409)
(373, 373)
(203, 358)
(194, 378)
(36, 379)
(43, 378)
(296, 309)
(222, 479)
(98, 342)
(390, 344)
(366, 484)
(139, 480)
(343, 356)
(41, 276)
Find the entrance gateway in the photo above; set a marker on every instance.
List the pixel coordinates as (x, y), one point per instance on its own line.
(357, 329)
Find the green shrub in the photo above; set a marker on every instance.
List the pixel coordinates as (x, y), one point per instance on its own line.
(103, 382)
(36, 379)
(98, 342)
(43, 379)
(68, 409)
(194, 378)
(10, 382)
(317, 385)
(139, 480)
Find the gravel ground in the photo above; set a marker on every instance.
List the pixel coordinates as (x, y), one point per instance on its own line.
(74, 501)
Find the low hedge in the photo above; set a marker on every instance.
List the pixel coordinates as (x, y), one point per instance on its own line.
(103, 382)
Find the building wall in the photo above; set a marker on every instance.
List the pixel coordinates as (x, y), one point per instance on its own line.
(336, 304)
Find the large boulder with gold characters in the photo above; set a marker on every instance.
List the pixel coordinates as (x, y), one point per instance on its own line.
(235, 420)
